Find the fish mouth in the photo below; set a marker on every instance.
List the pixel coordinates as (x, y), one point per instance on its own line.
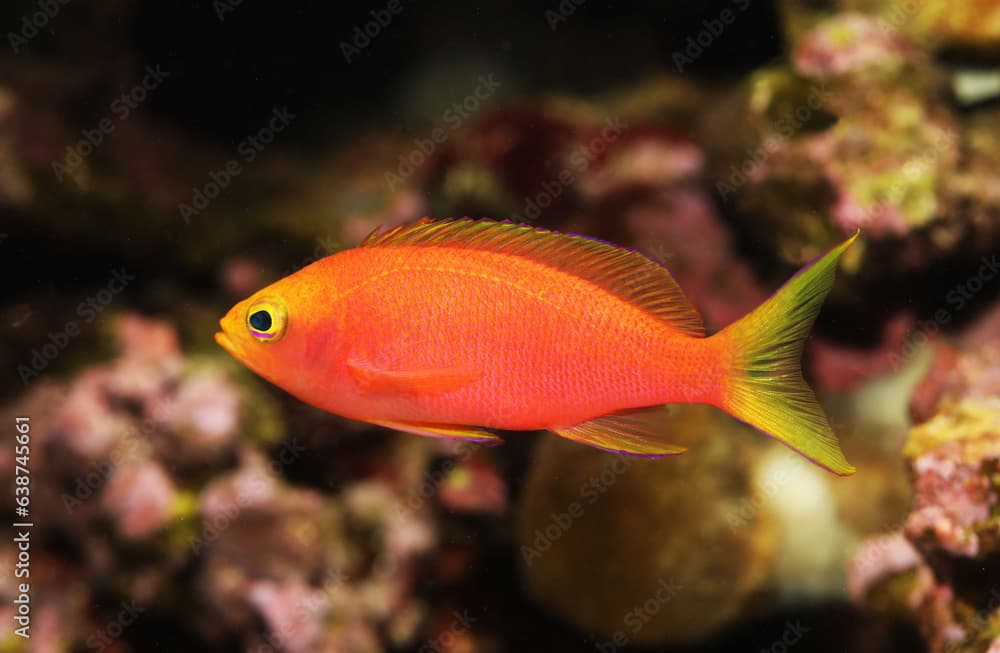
(223, 340)
(235, 350)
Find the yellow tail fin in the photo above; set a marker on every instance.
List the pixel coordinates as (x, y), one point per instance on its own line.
(765, 388)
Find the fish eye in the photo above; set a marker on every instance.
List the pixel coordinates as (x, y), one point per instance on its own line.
(261, 320)
(266, 321)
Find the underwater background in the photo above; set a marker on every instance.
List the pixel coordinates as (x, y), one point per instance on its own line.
(161, 161)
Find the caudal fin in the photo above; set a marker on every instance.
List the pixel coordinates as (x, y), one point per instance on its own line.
(765, 387)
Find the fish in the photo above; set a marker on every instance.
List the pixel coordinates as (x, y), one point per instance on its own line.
(456, 328)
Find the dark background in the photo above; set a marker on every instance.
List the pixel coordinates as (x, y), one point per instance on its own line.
(226, 74)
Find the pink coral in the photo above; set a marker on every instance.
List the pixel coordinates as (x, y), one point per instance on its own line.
(206, 406)
(953, 453)
(139, 498)
(271, 571)
(955, 372)
(252, 484)
(293, 612)
(86, 422)
(954, 446)
(145, 338)
(847, 43)
(885, 555)
(643, 158)
(878, 220)
(951, 497)
(115, 409)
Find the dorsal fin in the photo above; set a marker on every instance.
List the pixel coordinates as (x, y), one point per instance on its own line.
(624, 273)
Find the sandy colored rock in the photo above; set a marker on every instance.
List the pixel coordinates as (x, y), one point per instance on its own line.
(655, 551)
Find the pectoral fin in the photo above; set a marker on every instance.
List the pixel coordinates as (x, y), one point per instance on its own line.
(448, 431)
(634, 432)
(373, 380)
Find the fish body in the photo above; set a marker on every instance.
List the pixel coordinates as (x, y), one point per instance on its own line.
(444, 328)
(538, 346)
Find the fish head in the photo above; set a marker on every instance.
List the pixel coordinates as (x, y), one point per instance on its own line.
(271, 332)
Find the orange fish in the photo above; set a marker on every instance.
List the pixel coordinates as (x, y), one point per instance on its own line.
(444, 327)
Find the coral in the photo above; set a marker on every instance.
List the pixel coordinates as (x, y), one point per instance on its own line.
(856, 137)
(314, 588)
(850, 43)
(972, 27)
(891, 554)
(181, 458)
(543, 161)
(680, 228)
(185, 504)
(953, 454)
(140, 498)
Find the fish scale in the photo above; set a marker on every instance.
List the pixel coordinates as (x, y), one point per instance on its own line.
(557, 351)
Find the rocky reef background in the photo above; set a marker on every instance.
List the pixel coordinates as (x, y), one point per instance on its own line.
(160, 161)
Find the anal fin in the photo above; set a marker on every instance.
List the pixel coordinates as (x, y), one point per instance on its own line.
(447, 431)
(633, 432)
